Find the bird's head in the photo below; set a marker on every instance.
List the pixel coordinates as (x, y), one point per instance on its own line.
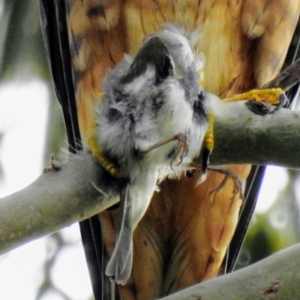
(180, 47)
(155, 54)
(169, 52)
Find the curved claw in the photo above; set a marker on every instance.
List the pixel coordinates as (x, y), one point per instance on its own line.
(228, 174)
(262, 101)
(181, 150)
(264, 107)
(205, 158)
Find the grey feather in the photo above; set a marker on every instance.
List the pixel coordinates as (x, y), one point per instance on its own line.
(120, 264)
(147, 100)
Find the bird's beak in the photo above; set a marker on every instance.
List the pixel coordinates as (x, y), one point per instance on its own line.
(154, 53)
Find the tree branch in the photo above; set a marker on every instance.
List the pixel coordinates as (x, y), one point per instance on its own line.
(58, 199)
(55, 200)
(274, 277)
(244, 137)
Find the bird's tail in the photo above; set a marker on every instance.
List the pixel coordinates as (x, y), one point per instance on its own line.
(120, 264)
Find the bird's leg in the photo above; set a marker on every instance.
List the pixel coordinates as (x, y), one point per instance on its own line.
(102, 159)
(182, 149)
(260, 101)
(208, 146)
(98, 152)
(208, 142)
(180, 152)
(228, 174)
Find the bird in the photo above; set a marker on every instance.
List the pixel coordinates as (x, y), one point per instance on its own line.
(151, 123)
(244, 44)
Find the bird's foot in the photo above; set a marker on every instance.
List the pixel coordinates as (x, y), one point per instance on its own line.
(178, 152)
(262, 101)
(181, 150)
(237, 185)
(264, 107)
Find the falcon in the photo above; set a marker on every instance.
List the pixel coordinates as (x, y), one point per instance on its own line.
(245, 44)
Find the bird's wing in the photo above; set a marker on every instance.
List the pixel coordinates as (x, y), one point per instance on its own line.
(55, 33)
(256, 175)
(184, 235)
(244, 44)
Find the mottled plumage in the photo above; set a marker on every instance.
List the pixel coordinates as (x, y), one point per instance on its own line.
(244, 44)
(149, 99)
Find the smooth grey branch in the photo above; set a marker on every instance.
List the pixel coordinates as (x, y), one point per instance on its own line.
(56, 200)
(244, 137)
(276, 277)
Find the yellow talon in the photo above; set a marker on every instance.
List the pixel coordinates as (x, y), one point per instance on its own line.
(208, 145)
(98, 154)
(208, 142)
(102, 160)
(270, 95)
